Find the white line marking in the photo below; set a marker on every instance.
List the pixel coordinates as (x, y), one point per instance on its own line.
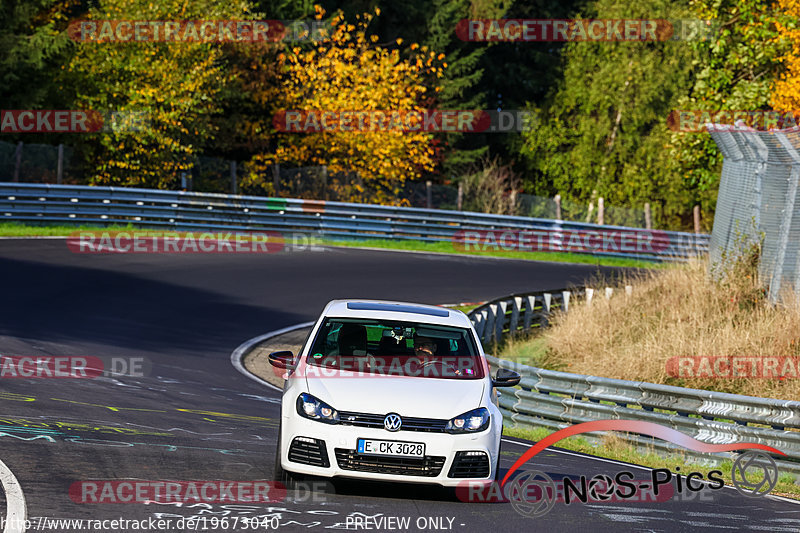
(26, 237)
(17, 511)
(581, 455)
(238, 353)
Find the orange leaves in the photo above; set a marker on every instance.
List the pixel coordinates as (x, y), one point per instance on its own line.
(349, 72)
(786, 91)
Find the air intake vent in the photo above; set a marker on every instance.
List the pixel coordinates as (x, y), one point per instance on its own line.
(428, 466)
(470, 465)
(309, 452)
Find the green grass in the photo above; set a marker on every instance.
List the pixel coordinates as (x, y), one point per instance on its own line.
(12, 229)
(615, 448)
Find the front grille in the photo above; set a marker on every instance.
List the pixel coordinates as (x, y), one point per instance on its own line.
(470, 464)
(428, 466)
(367, 420)
(309, 452)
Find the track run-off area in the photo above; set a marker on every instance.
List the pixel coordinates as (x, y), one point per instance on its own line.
(190, 414)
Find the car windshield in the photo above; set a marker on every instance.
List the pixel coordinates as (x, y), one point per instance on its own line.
(396, 348)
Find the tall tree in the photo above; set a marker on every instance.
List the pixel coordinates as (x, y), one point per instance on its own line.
(173, 84)
(733, 70)
(348, 72)
(605, 128)
(34, 47)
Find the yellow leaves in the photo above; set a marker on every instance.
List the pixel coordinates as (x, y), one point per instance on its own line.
(399, 41)
(786, 90)
(440, 57)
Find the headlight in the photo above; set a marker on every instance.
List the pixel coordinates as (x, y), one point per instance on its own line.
(311, 407)
(470, 422)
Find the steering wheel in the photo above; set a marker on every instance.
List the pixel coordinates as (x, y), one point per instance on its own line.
(444, 364)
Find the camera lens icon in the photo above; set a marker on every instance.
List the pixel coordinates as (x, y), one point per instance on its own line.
(754, 474)
(532, 493)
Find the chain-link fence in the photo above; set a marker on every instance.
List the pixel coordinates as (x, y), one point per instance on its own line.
(757, 203)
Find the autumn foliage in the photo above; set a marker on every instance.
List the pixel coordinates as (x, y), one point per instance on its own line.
(786, 92)
(349, 70)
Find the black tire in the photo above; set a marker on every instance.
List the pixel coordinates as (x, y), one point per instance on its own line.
(288, 479)
(497, 476)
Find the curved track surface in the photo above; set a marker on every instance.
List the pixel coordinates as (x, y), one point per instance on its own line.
(194, 417)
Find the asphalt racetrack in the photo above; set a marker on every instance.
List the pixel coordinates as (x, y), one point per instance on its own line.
(193, 416)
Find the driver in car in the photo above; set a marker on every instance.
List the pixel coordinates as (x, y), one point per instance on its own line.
(425, 350)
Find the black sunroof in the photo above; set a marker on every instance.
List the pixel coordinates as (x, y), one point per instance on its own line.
(399, 308)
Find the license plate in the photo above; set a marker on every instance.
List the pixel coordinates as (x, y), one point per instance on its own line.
(391, 447)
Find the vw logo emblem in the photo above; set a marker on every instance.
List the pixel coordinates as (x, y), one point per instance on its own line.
(392, 422)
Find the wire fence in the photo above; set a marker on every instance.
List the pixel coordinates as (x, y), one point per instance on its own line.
(41, 163)
(757, 204)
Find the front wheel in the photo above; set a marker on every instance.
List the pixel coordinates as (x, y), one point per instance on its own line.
(289, 480)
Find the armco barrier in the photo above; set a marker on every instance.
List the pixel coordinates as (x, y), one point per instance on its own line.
(64, 204)
(552, 399)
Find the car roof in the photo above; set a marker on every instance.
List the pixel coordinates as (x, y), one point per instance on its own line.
(387, 309)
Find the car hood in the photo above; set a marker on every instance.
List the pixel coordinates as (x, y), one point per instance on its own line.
(406, 396)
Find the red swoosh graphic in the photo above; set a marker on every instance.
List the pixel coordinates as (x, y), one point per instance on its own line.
(633, 426)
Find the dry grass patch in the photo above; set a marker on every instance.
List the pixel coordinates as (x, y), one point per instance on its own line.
(678, 312)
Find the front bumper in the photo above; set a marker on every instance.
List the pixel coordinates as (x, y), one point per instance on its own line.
(339, 452)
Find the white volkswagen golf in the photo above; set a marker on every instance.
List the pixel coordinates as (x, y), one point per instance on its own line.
(390, 391)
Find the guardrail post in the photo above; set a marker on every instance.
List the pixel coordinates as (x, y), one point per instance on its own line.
(60, 164)
(491, 317)
(18, 161)
(276, 177)
(589, 294)
(428, 195)
(514, 322)
(609, 292)
(324, 172)
(565, 301)
(557, 200)
(480, 324)
(530, 304)
(548, 298)
(500, 322)
(601, 211)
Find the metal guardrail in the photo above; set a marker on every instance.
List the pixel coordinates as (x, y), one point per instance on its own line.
(179, 210)
(553, 399)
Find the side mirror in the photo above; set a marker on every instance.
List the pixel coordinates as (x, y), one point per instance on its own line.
(283, 359)
(505, 378)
